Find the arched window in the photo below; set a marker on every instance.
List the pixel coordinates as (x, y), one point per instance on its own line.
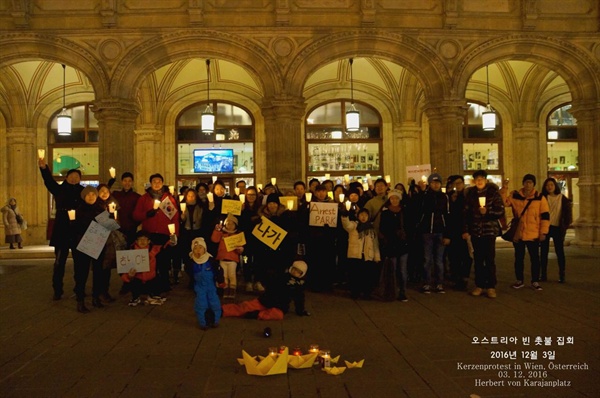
(227, 154)
(79, 150)
(334, 151)
(482, 150)
(563, 154)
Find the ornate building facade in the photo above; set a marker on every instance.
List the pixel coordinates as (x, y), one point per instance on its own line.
(279, 81)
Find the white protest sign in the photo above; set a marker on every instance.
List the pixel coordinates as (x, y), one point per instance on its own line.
(231, 206)
(322, 213)
(168, 208)
(107, 222)
(93, 240)
(128, 259)
(417, 172)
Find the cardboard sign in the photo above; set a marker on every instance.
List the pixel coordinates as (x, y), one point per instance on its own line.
(233, 241)
(284, 201)
(269, 233)
(128, 259)
(168, 208)
(418, 171)
(322, 213)
(93, 240)
(231, 206)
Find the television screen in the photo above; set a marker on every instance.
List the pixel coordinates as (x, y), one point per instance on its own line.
(213, 160)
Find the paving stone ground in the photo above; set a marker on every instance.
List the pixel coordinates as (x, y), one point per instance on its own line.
(422, 348)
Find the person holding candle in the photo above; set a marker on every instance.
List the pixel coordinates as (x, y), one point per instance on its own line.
(561, 217)
(12, 220)
(375, 204)
(155, 219)
(145, 283)
(252, 269)
(207, 275)
(534, 225)
(363, 254)
(67, 196)
(85, 215)
(240, 189)
(481, 224)
(127, 199)
(193, 225)
(432, 223)
(228, 260)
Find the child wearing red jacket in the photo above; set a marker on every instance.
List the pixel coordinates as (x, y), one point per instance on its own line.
(227, 259)
(145, 282)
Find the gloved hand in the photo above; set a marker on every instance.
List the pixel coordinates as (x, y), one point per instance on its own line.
(173, 240)
(151, 213)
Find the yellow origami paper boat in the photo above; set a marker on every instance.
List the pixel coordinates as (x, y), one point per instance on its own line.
(268, 366)
(334, 371)
(355, 364)
(335, 360)
(302, 361)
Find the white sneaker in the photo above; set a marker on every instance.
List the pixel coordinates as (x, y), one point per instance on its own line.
(259, 287)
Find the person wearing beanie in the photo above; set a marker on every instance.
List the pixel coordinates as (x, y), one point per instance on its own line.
(363, 254)
(228, 260)
(434, 226)
(144, 283)
(532, 210)
(155, 210)
(85, 214)
(67, 197)
(207, 276)
(483, 208)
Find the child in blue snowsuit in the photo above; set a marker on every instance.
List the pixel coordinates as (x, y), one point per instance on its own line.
(207, 274)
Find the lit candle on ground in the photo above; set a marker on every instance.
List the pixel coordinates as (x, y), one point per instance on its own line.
(172, 189)
(308, 196)
(214, 179)
(290, 204)
(272, 351)
(156, 204)
(388, 179)
(237, 191)
(297, 351)
(71, 214)
(41, 153)
(171, 228)
(326, 358)
(482, 201)
(112, 172)
(112, 207)
(348, 205)
(313, 349)
(183, 207)
(210, 197)
(282, 349)
(273, 180)
(341, 197)
(242, 198)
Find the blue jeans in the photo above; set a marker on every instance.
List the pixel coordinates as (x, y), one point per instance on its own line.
(433, 248)
(401, 265)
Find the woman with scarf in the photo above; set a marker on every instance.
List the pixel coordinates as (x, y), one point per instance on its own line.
(12, 220)
(363, 254)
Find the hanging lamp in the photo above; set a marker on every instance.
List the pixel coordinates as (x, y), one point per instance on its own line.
(208, 117)
(64, 119)
(352, 114)
(489, 116)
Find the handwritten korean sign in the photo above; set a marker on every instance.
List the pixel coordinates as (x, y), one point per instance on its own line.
(418, 171)
(128, 259)
(269, 233)
(233, 241)
(322, 214)
(231, 206)
(93, 240)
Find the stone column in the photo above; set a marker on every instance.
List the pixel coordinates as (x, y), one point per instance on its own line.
(283, 128)
(587, 227)
(116, 121)
(526, 154)
(445, 135)
(407, 150)
(148, 154)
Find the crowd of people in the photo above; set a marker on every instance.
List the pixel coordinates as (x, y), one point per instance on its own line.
(380, 239)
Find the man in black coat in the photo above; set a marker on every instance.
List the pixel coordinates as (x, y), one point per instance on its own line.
(67, 196)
